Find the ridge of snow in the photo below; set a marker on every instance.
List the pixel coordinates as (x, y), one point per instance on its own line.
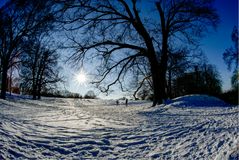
(197, 101)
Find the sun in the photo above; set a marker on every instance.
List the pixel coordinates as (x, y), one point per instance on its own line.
(81, 77)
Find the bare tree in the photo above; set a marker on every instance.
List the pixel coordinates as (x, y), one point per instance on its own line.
(39, 68)
(18, 20)
(179, 61)
(119, 33)
(90, 95)
(230, 57)
(205, 79)
(184, 20)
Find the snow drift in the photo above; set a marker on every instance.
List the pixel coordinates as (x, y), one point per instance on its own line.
(197, 101)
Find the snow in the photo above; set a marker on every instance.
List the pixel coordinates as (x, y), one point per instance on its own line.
(189, 127)
(197, 101)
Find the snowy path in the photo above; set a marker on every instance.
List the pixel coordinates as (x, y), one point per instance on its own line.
(71, 129)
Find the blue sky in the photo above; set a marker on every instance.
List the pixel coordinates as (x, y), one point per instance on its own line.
(214, 44)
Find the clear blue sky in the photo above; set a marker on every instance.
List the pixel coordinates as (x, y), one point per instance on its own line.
(214, 44)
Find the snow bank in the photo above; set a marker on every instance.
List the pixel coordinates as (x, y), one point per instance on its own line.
(197, 101)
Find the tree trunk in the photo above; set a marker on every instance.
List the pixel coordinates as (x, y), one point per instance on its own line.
(39, 91)
(169, 83)
(34, 96)
(163, 66)
(10, 82)
(154, 66)
(4, 83)
(163, 82)
(34, 80)
(40, 77)
(164, 52)
(34, 91)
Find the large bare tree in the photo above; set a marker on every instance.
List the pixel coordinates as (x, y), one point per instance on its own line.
(121, 32)
(20, 19)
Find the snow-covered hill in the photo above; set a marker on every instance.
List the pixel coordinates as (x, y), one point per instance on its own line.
(190, 127)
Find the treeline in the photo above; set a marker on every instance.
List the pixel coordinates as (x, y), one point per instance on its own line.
(66, 94)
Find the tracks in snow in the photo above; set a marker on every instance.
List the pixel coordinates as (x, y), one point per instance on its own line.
(66, 129)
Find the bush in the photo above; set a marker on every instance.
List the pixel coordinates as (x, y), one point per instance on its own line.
(74, 95)
(90, 95)
(230, 97)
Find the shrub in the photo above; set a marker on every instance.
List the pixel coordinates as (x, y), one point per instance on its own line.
(230, 97)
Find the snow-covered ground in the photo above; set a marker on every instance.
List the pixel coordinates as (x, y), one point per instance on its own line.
(191, 127)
